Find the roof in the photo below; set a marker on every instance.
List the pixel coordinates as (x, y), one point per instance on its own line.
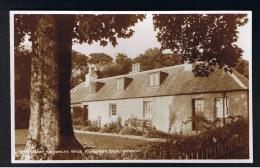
(178, 81)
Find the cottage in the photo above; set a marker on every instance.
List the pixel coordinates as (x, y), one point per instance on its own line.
(171, 98)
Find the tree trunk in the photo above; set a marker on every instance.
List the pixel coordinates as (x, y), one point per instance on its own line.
(50, 128)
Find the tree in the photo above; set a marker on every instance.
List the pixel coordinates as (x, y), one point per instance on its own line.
(110, 70)
(205, 39)
(154, 58)
(242, 67)
(100, 59)
(122, 65)
(50, 127)
(79, 68)
(124, 62)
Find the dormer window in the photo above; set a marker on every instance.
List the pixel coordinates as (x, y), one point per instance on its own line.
(156, 78)
(94, 87)
(122, 83)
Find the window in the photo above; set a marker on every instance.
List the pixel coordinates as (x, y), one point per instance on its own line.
(147, 109)
(155, 79)
(112, 109)
(120, 84)
(92, 88)
(221, 107)
(198, 106)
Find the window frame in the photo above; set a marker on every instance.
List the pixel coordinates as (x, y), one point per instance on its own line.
(154, 79)
(112, 109)
(147, 109)
(224, 100)
(199, 106)
(93, 87)
(120, 84)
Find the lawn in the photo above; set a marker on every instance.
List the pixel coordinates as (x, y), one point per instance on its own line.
(99, 142)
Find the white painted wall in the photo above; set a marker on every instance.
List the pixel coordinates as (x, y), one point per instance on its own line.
(128, 108)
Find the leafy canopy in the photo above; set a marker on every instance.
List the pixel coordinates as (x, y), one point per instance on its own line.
(154, 58)
(102, 28)
(208, 40)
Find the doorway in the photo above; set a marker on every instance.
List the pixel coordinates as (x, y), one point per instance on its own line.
(197, 114)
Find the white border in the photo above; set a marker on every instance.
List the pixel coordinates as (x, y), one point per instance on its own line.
(11, 16)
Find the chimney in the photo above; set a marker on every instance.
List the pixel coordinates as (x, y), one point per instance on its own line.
(91, 75)
(135, 68)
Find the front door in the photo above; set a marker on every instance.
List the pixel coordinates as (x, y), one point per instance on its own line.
(197, 114)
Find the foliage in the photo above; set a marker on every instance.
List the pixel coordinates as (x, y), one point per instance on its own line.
(103, 28)
(100, 59)
(242, 67)
(131, 131)
(154, 58)
(111, 70)
(79, 68)
(207, 38)
(91, 126)
(184, 144)
(122, 65)
(132, 122)
(112, 127)
(153, 133)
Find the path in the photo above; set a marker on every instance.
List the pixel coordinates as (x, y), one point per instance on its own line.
(122, 136)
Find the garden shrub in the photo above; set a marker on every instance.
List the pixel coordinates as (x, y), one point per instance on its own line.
(93, 126)
(113, 127)
(153, 133)
(178, 145)
(131, 131)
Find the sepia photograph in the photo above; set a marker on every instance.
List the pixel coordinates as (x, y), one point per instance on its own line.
(131, 86)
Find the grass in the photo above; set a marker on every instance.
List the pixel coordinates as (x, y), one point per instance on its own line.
(99, 142)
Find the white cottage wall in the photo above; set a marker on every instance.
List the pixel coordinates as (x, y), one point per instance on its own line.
(127, 108)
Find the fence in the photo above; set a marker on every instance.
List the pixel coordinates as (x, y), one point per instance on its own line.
(229, 150)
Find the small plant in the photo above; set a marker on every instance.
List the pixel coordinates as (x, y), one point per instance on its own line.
(153, 133)
(113, 127)
(131, 131)
(93, 126)
(132, 122)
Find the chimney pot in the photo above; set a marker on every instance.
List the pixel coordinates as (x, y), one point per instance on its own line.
(135, 67)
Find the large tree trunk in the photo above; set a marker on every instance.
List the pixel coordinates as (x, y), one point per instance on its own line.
(50, 128)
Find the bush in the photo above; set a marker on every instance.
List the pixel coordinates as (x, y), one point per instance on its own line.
(92, 126)
(178, 145)
(113, 127)
(153, 133)
(131, 131)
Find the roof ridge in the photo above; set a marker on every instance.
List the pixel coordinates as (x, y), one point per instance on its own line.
(242, 76)
(72, 90)
(235, 78)
(135, 73)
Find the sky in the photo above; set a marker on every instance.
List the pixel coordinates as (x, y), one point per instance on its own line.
(145, 37)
